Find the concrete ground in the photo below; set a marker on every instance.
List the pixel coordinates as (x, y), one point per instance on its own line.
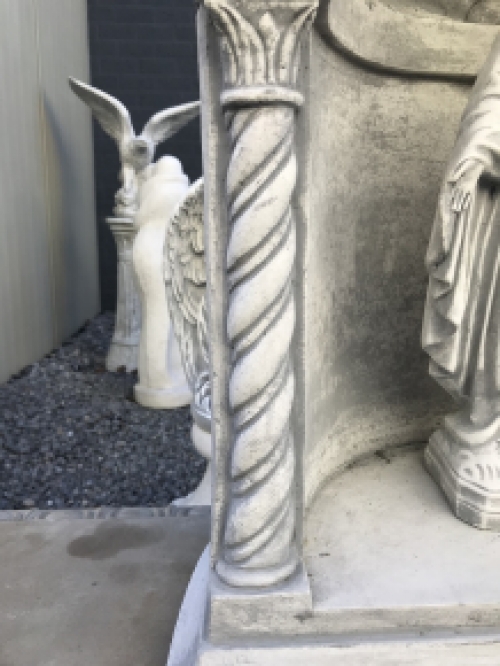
(83, 592)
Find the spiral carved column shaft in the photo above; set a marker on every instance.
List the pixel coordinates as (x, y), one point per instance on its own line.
(260, 105)
(261, 321)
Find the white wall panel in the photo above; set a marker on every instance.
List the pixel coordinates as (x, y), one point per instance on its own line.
(67, 131)
(48, 264)
(26, 322)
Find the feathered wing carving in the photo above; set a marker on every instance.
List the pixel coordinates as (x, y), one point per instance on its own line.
(108, 111)
(165, 124)
(185, 279)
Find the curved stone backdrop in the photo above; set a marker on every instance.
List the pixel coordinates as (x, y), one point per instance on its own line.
(381, 37)
(379, 141)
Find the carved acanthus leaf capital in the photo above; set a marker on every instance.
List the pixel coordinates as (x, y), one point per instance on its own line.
(261, 46)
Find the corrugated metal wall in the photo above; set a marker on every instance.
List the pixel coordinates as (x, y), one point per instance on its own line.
(48, 253)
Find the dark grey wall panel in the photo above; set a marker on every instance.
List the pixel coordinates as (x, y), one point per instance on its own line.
(143, 53)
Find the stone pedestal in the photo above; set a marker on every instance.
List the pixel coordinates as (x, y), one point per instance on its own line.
(322, 161)
(123, 351)
(394, 581)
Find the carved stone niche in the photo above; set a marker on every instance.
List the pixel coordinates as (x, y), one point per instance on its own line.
(322, 166)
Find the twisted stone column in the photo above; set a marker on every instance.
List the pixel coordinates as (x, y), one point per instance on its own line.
(260, 103)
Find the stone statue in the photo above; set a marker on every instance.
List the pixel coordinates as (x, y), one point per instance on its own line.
(162, 382)
(136, 152)
(461, 329)
(136, 156)
(186, 281)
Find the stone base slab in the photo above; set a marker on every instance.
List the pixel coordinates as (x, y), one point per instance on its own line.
(460, 647)
(467, 651)
(395, 580)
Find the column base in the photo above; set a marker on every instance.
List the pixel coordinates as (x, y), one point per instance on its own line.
(122, 355)
(469, 478)
(168, 398)
(240, 577)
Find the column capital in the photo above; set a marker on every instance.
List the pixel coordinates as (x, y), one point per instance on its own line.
(260, 48)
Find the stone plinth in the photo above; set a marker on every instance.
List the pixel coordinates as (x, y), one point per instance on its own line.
(123, 351)
(323, 158)
(392, 576)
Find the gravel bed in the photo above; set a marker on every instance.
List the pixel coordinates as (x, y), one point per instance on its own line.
(71, 435)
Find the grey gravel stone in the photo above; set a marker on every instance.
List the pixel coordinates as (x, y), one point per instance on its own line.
(71, 435)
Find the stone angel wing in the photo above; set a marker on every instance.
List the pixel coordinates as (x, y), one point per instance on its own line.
(185, 280)
(108, 111)
(165, 124)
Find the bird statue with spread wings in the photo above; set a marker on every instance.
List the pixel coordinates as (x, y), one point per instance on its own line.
(186, 285)
(136, 152)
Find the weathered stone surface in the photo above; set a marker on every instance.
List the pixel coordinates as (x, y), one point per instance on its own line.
(380, 144)
(392, 577)
(409, 38)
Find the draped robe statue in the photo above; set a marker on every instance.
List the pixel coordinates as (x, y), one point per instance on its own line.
(461, 329)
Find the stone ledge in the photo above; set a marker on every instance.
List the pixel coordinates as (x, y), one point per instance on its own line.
(104, 513)
(384, 554)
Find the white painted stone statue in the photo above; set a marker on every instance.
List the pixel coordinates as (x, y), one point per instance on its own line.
(162, 381)
(136, 155)
(326, 126)
(461, 330)
(186, 281)
(136, 152)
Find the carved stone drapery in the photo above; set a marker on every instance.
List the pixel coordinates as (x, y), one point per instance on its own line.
(461, 328)
(261, 51)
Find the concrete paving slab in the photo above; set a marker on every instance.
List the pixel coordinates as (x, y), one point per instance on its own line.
(81, 592)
